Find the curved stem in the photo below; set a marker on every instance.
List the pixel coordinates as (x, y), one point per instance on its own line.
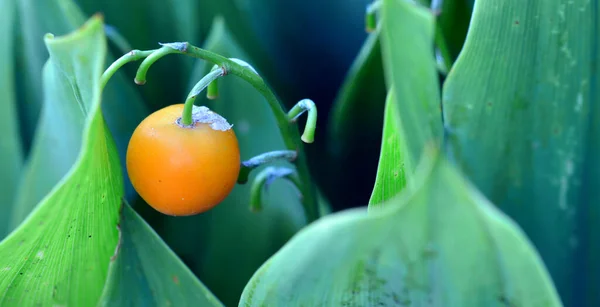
(212, 91)
(289, 132)
(311, 124)
(131, 56)
(140, 76)
(264, 179)
(186, 117)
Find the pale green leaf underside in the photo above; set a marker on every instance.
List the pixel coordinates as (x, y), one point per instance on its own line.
(441, 245)
(145, 272)
(60, 254)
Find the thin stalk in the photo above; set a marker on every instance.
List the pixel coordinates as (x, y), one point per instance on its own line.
(186, 117)
(131, 56)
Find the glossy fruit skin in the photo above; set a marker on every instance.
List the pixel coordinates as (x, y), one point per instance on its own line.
(179, 170)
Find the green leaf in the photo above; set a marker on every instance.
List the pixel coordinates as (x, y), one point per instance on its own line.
(354, 129)
(589, 223)
(393, 161)
(453, 24)
(412, 114)
(145, 272)
(51, 156)
(226, 245)
(407, 45)
(60, 254)
(11, 151)
(518, 110)
(440, 244)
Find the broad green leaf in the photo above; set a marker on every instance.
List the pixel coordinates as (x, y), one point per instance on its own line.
(518, 111)
(60, 254)
(51, 157)
(407, 45)
(145, 272)
(11, 151)
(441, 244)
(354, 129)
(393, 160)
(226, 245)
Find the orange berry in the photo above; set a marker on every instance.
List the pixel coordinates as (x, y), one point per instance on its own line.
(183, 170)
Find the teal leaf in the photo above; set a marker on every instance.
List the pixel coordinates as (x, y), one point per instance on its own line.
(35, 19)
(518, 109)
(11, 150)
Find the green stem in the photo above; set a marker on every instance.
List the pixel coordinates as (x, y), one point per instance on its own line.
(289, 132)
(212, 91)
(186, 117)
(131, 56)
(311, 124)
(140, 76)
(268, 157)
(264, 179)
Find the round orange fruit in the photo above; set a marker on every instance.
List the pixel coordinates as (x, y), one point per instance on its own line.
(183, 170)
